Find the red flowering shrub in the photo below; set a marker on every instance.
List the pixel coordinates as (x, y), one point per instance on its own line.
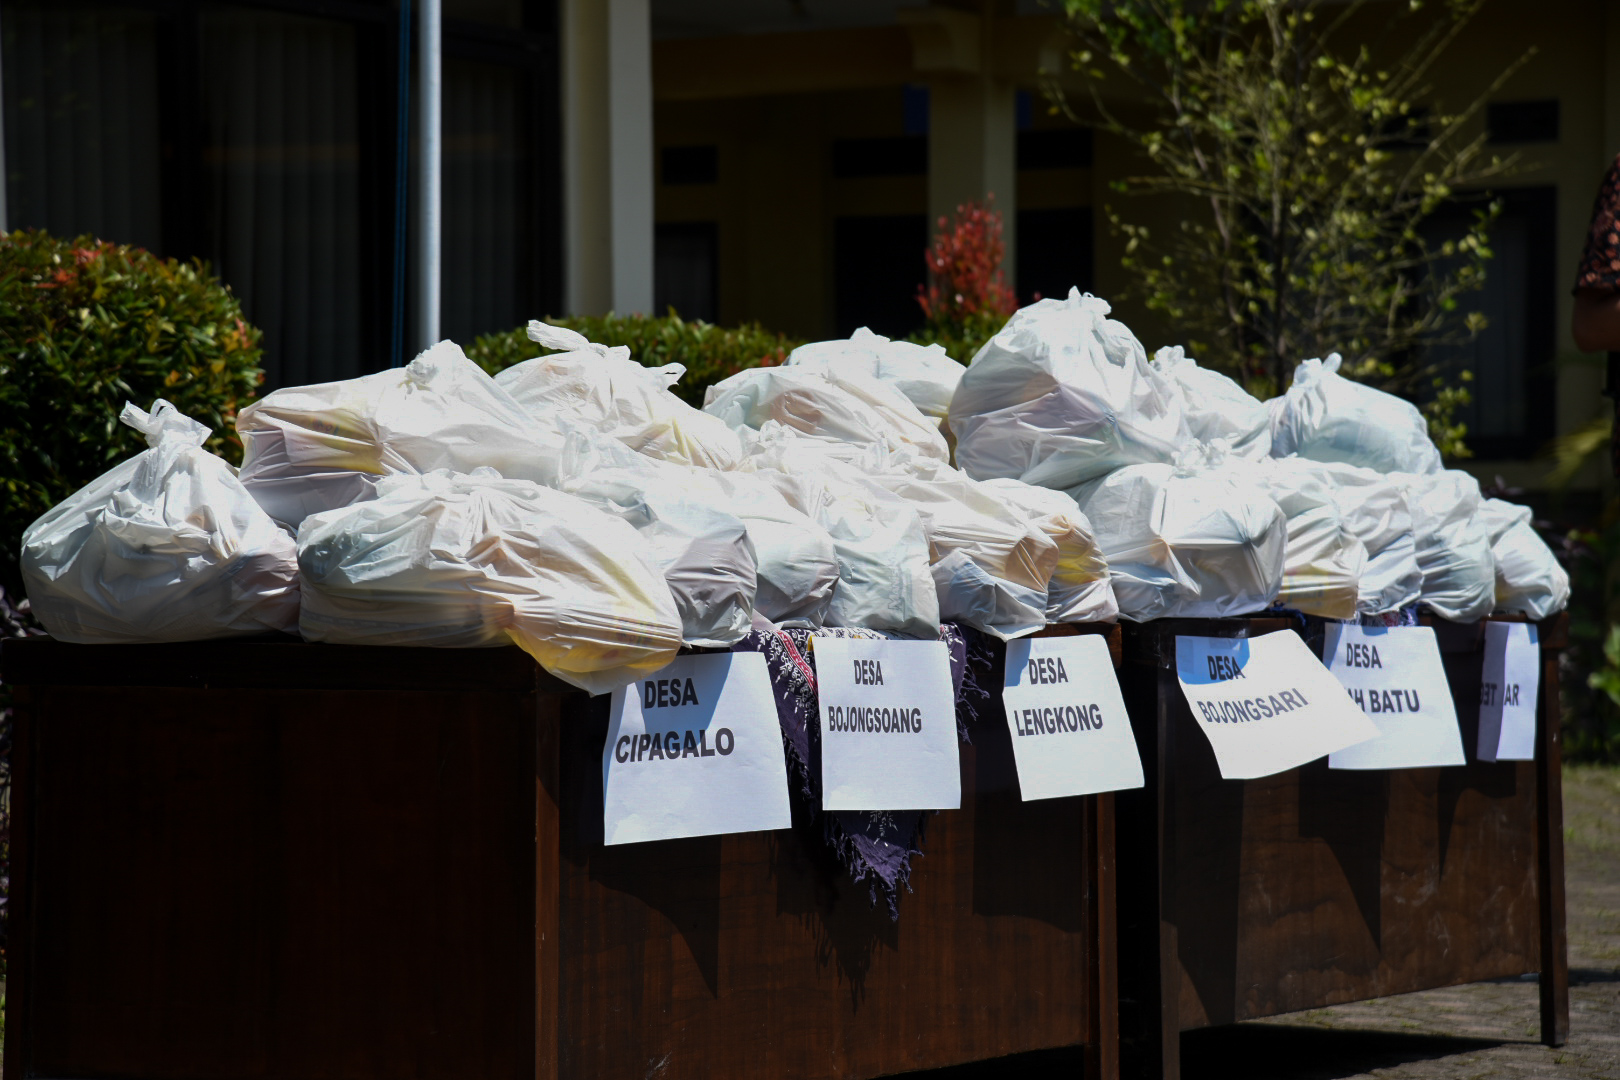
(967, 298)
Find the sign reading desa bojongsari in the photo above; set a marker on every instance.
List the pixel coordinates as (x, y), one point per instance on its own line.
(1266, 704)
(1070, 732)
(694, 750)
(888, 725)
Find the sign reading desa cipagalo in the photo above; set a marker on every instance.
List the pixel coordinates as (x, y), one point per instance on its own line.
(1508, 692)
(1393, 674)
(888, 725)
(1070, 732)
(1266, 704)
(694, 750)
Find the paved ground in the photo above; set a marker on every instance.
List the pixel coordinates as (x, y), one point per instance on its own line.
(1486, 1031)
(1480, 1032)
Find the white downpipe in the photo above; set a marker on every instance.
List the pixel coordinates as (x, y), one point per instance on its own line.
(429, 168)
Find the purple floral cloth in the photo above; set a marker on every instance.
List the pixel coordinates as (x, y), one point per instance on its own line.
(875, 847)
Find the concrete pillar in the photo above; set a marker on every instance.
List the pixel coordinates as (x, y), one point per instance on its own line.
(607, 156)
(972, 115)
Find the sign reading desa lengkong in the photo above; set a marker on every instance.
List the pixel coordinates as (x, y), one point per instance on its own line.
(888, 725)
(1266, 704)
(694, 750)
(1394, 675)
(1070, 733)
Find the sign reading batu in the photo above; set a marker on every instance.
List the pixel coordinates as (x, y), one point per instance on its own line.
(694, 750)
(1070, 733)
(888, 725)
(1266, 704)
(1394, 675)
(1508, 692)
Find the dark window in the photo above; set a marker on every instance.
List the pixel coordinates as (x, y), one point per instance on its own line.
(1522, 121)
(486, 281)
(1055, 148)
(1054, 252)
(83, 120)
(686, 269)
(1513, 411)
(879, 264)
(281, 158)
(261, 138)
(691, 164)
(914, 109)
(901, 155)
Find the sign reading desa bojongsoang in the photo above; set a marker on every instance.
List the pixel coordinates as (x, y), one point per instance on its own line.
(888, 725)
(695, 750)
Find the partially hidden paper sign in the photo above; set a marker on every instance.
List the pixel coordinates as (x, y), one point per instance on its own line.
(1266, 704)
(695, 750)
(1070, 732)
(1508, 692)
(1395, 676)
(888, 725)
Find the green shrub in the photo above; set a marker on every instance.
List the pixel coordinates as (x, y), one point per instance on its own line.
(962, 339)
(710, 353)
(85, 326)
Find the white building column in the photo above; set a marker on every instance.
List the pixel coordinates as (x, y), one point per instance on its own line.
(607, 156)
(972, 115)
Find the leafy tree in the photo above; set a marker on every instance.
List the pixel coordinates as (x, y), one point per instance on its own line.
(1306, 170)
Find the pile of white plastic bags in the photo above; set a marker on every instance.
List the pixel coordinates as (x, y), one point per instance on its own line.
(575, 506)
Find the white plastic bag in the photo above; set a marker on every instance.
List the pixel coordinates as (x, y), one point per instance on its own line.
(797, 561)
(476, 560)
(167, 546)
(603, 388)
(1326, 417)
(1063, 395)
(313, 448)
(992, 567)
(925, 374)
(1215, 406)
(847, 407)
(884, 580)
(1453, 544)
(1374, 509)
(1188, 543)
(1081, 589)
(1325, 560)
(702, 549)
(1529, 580)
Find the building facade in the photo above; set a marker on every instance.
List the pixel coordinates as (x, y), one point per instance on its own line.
(736, 159)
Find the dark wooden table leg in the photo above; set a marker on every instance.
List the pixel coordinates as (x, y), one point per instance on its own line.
(1106, 942)
(1550, 849)
(547, 885)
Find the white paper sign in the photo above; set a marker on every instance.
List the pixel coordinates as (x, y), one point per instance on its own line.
(1395, 676)
(694, 750)
(1266, 704)
(888, 725)
(1507, 692)
(1070, 732)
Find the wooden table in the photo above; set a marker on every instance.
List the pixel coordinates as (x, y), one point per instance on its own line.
(274, 859)
(1245, 899)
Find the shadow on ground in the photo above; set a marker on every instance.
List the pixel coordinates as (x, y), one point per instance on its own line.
(1286, 1052)
(1255, 1050)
